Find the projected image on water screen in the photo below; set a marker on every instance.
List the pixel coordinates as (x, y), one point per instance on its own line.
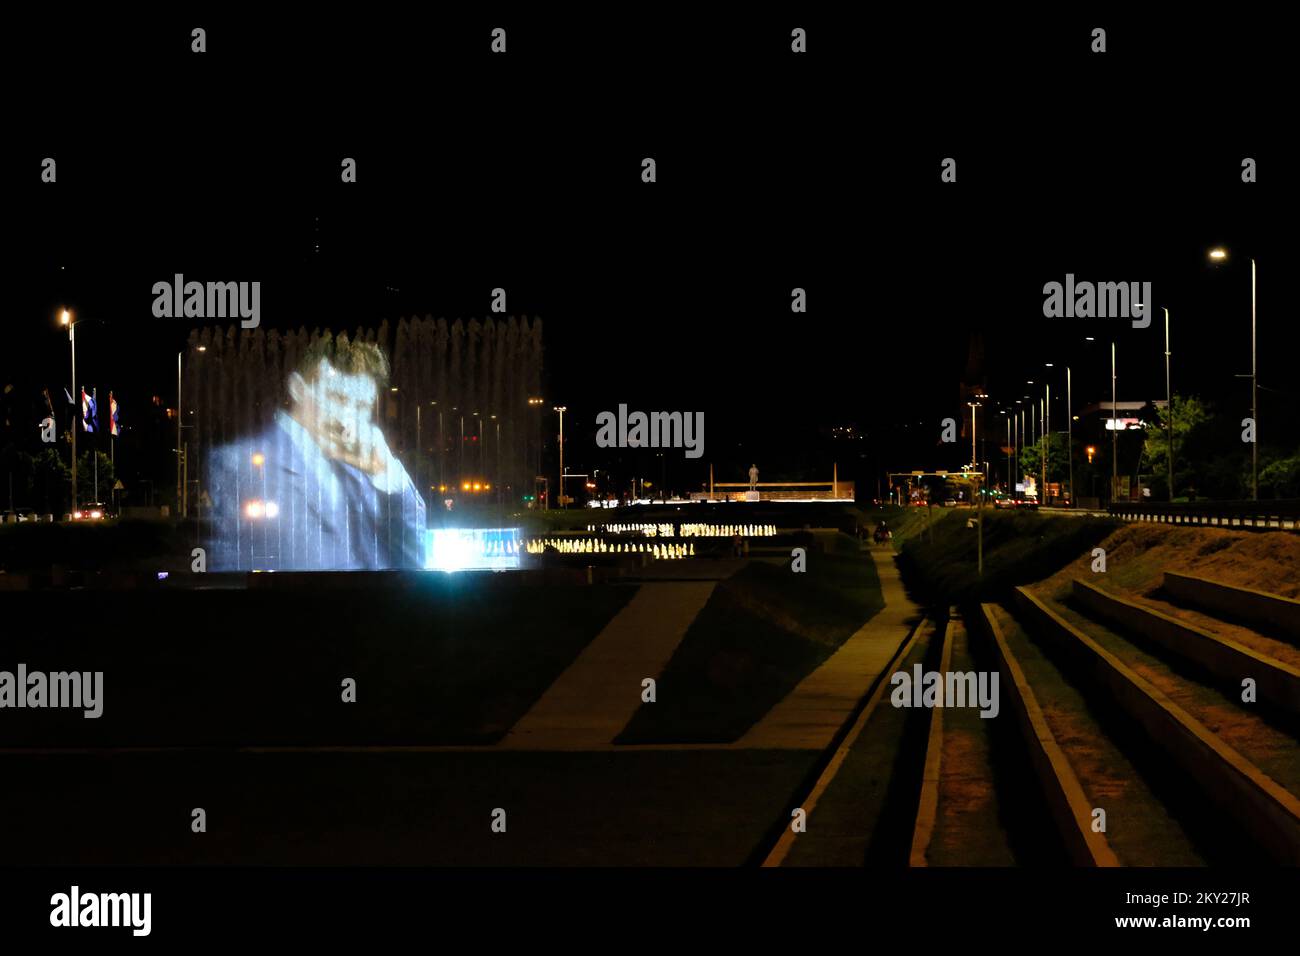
(319, 488)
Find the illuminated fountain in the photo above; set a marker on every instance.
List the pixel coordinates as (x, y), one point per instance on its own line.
(466, 549)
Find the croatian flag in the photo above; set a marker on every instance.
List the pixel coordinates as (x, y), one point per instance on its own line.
(89, 413)
(113, 427)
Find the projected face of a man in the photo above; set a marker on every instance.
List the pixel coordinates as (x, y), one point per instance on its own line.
(338, 410)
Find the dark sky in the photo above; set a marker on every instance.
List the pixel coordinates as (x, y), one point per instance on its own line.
(774, 172)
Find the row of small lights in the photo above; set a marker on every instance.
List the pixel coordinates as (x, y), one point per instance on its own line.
(692, 530)
(596, 546)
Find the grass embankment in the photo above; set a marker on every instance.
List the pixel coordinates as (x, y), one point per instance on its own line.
(1138, 555)
(905, 523)
(455, 661)
(762, 631)
(1019, 548)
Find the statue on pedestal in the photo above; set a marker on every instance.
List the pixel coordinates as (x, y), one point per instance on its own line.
(753, 477)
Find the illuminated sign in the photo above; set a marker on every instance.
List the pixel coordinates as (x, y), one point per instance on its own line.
(1122, 424)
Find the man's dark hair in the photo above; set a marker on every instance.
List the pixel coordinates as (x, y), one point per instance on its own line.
(347, 356)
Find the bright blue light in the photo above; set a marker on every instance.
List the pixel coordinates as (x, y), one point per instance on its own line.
(469, 549)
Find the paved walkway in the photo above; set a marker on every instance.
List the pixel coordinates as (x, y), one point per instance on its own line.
(593, 700)
(812, 713)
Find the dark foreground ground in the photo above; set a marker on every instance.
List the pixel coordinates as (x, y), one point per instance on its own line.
(684, 808)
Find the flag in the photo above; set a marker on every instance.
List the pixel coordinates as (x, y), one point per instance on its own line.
(89, 413)
(113, 428)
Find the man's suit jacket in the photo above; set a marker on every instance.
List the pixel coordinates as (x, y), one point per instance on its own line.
(279, 504)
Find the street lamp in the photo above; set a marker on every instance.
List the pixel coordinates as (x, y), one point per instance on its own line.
(1069, 430)
(1219, 255)
(537, 403)
(1010, 480)
(1169, 410)
(974, 458)
(65, 318)
(1114, 430)
(180, 448)
(1047, 435)
(497, 479)
(480, 442)
(562, 409)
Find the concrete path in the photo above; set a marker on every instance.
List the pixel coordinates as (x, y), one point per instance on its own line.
(595, 697)
(811, 714)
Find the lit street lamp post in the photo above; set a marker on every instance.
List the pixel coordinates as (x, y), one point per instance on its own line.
(537, 404)
(1010, 482)
(562, 409)
(1033, 432)
(1254, 395)
(1218, 255)
(66, 319)
(180, 453)
(973, 456)
(1047, 435)
(1015, 448)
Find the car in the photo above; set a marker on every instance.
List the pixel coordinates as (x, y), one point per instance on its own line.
(950, 502)
(92, 511)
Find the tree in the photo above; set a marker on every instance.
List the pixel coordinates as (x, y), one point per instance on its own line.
(50, 485)
(1190, 415)
(1058, 458)
(1280, 477)
(86, 478)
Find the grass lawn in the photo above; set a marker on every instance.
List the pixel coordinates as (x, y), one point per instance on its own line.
(763, 630)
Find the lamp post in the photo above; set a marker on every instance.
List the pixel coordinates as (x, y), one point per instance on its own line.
(480, 442)
(1169, 410)
(562, 409)
(1219, 255)
(1069, 432)
(66, 319)
(536, 403)
(1047, 434)
(1114, 431)
(496, 480)
(1015, 447)
(181, 504)
(1033, 431)
(1010, 483)
(973, 456)
(1254, 395)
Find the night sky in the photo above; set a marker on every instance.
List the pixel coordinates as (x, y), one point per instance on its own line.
(773, 172)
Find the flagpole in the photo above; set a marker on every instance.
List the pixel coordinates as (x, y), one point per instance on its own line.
(179, 452)
(94, 445)
(76, 415)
